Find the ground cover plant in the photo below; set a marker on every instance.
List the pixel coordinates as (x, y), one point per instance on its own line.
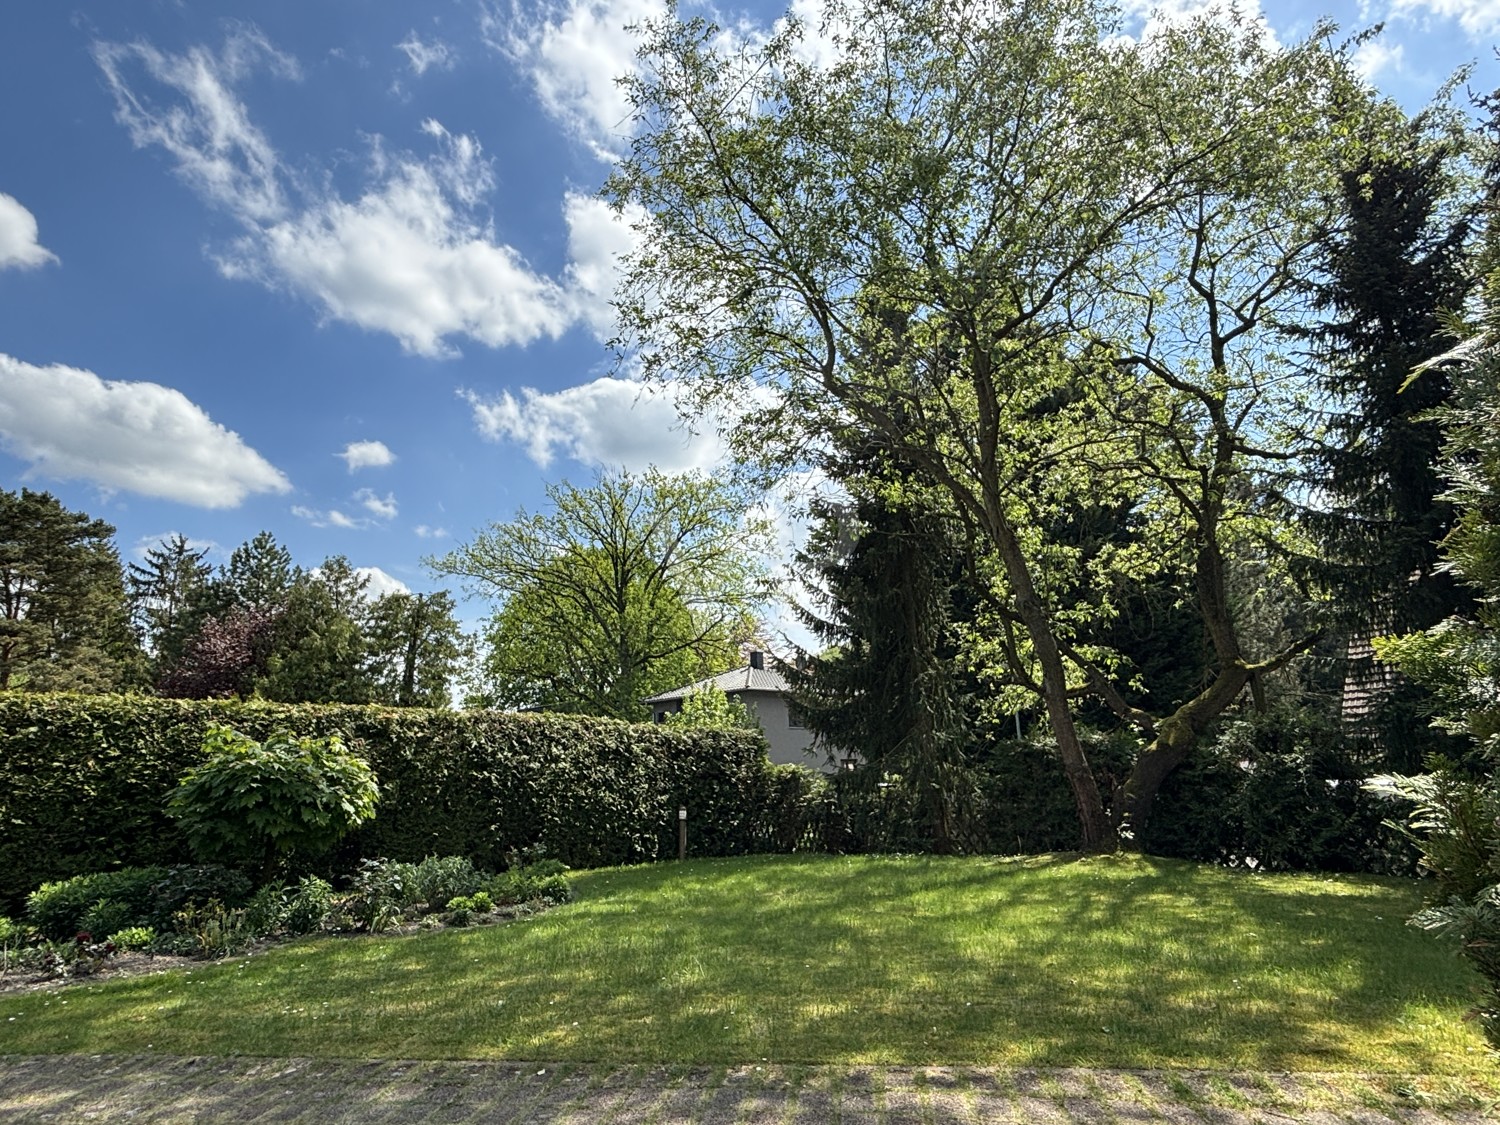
(1110, 962)
(78, 927)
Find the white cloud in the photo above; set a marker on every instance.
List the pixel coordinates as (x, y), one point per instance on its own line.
(574, 51)
(409, 258)
(425, 532)
(219, 153)
(425, 56)
(136, 437)
(1373, 56)
(366, 455)
(383, 507)
(379, 583)
(414, 255)
(19, 247)
(598, 236)
(1480, 19)
(608, 423)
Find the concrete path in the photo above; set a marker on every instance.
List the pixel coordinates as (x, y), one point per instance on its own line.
(169, 1089)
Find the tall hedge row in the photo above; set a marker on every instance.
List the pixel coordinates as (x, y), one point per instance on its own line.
(83, 780)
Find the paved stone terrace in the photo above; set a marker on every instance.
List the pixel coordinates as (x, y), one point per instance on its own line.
(169, 1089)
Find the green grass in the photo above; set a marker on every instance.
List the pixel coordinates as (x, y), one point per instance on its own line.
(1117, 962)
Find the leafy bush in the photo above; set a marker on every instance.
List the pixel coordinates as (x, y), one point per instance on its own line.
(59, 910)
(133, 937)
(212, 930)
(542, 881)
(440, 878)
(254, 802)
(108, 915)
(381, 894)
(133, 896)
(462, 909)
(308, 906)
(1281, 791)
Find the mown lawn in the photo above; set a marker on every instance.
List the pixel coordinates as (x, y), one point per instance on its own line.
(1052, 961)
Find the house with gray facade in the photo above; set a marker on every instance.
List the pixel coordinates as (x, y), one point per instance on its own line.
(765, 694)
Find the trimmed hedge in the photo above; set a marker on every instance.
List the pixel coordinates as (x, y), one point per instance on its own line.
(83, 780)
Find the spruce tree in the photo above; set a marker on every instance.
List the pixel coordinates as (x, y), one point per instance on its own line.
(1396, 266)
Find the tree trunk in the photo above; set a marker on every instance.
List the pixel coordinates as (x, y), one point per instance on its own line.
(1175, 738)
(1098, 830)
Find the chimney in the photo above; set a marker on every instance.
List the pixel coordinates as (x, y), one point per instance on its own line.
(757, 659)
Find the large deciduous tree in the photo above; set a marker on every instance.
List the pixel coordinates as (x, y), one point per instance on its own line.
(962, 209)
(637, 584)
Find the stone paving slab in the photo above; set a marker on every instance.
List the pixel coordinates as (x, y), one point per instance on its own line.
(165, 1089)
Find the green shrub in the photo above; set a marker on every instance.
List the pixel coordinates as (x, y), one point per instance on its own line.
(107, 916)
(197, 882)
(59, 910)
(543, 881)
(382, 893)
(308, 906)
(462, 909)
(262, 802)
(133, 937)
(212, 930)
(440, 878)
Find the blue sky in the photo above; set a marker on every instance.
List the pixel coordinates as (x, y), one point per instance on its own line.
(334, 268)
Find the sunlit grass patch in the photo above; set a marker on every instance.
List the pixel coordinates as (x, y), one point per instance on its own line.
(1118, 962)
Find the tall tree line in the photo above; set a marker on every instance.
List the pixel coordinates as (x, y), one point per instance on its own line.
(75, 619)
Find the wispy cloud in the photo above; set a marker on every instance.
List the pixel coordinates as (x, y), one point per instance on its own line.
(412, 253)
(425, 56)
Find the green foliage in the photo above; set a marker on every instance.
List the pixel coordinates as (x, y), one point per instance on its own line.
(212, 929)
(264, 802)
(544, 880)
(887, 689)
(58, 910)
(415, 649)
(1280, 792)
(64, 619)
(147, 896)
(633, 586)
(438, 878)
(308, 905)
(319, 650)
(462, 909)
(708, 708)
(382, 893)
(133, 937)
(83, 783)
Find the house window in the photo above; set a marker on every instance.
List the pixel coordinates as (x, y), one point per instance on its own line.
(793, 718)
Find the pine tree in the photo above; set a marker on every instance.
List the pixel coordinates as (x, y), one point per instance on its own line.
(1397, 265)
(886, 689)
(64, 621)
(163, 590)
